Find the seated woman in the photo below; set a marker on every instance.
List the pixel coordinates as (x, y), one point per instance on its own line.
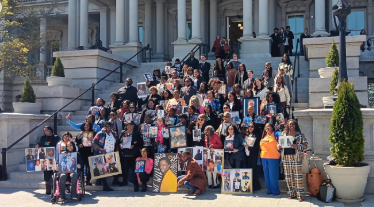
(143, 177)
(90, 119)
(74, 176)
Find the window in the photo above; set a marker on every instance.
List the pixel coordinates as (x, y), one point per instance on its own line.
(188, 31)
(356, 22)
(141, 34)
(296, 22)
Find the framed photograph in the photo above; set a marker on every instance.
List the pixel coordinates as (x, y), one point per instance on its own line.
(30, 154)
(253, 101)
(152, 132)
(249, 141)
(195, 117)
(170, 121)
(67, 162)
(169, 86)
(167, 69)
(139, 166)
(213, 160)
(87, 139)
(235, 117)
(151, 112)
(229, 145)
(165, 173)
(136, 118)
(51, 164)
(237, 181)
(242, 92)
(142, 90)
(260, 119)
(50, 153)
(177, 137)
(222, 89)
(30, 165)
(160, 113)
(165, 132)
(280, 119)
(272, 109)
(144, 129)
(224, 127)
(247, 121)
(286, 141)
(196, 135)
(164, 103)
(182, 167)
(107, 165)
(127, 118)
(126, 142)
(148, 77)
(184, 110)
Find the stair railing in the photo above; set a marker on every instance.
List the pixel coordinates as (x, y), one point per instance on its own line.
(296, 68)
(194, 49)
(92, 88)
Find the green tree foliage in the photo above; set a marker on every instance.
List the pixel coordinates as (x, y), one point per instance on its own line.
(58, 68)
(332, 57)
(346, 128)
(334, 81)
(28, 94)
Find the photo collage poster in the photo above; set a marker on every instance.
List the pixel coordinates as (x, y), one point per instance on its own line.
(107, 165)
(237, 181)
(286, 141)
(196, 153)
(41, 159)
(142, 90)
(67, 162)
(135, 117)
(177, 137)
(165, 173)
(213, 160)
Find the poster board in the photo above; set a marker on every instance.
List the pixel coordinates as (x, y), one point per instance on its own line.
(41, 159)
(103, 166)
(213, 160)
(196, 153)
(67, 162)
(165, 173)
(237, 181)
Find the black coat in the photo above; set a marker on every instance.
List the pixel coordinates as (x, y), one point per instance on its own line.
(51, 141)
(290, 36)
(128, 93)
(113, 106)
(205, 68)
(191, 91)
(194, 63)
(134, 152)
(248, 85)
(238, 78)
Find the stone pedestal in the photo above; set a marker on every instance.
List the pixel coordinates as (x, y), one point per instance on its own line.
(126, 51)
(86, 67)
(182, 48)
(255, 47)
(315, 123)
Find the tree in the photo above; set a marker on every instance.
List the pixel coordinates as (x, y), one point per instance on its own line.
(347, 137)
(334, 81)
(58, 68)
(28, 94)
(332, 57)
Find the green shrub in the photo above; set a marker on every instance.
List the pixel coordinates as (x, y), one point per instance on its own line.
(28, 94)
(332, 57)
(346, 128)
(334, 81)
(58, 68)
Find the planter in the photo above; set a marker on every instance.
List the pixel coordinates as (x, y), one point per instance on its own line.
(58, 81)
(326, 72)
(328, 100)
(350, 182)
(27, 108)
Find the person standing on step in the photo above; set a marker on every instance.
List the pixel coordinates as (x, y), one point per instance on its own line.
(192, 61)
(288, 36)
(128, 92)
(188, 90)
(204, 67)
(48, 140)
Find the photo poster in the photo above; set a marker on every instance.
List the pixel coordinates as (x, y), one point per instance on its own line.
(139, 166)
(136, 118)
(165, 173)
(42, 159)
(167, 70)
(160, 113)
(222, 89)
(247, 121)
(286, 141)
(224, 127)
(184, 110)
(272, 109)
(249, 141)
(153, 132)
(142, 90)
(127, 118)
(67, 162)
(228, 145)
(126, 142)
(87, 139)
(195, 117)
(169, 86)
(254, 101)
(242, 92)
(196, 153)
(148, 77)
(152, 113)
(170, 121)
(260, 119)
(103, 166)
(237, 181)
(280, 119)
(165, 132)
(144, 129)
(196, 135)
(235, 117)
(164, 103)
(177, 137)
(213, 160)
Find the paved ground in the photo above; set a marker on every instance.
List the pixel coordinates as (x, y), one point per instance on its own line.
(15, 197)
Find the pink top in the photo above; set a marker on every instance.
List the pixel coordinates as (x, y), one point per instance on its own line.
(147, 168)
(201, 109)
(159, 136)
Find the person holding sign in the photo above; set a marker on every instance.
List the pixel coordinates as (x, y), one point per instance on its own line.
(251, 157)
(143, 177)
(212, 141)
(194, 179)
(293, 160)
(236, 156)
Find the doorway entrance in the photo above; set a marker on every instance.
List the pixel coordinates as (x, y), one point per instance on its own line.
(234, 31)
(296, 22)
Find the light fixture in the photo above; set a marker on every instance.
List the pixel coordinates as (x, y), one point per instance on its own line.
(229, 25)
(241, 28)
(239, 25)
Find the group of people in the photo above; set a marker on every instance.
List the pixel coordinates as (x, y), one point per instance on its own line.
(208, 109)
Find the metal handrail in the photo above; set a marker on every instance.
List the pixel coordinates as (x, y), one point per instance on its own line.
(4, 150)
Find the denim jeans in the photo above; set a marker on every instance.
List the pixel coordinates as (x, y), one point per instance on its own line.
(187, 183)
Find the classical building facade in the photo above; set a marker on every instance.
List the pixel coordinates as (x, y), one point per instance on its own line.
(172, 27)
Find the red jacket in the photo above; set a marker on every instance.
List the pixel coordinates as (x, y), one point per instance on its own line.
(217, 46)
(215, 142)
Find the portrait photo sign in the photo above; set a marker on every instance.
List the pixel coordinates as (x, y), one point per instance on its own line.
(213, 160)
(165, 173)
(254, 101)
(237, 181)
(107, 165)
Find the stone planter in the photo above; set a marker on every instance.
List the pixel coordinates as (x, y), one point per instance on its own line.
(349, 182)
(27, 108)
(326, 72)
(58, 81)
(328, 100)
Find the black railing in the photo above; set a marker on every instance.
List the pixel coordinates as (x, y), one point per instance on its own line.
(296, 68)
(194, 49)
(92, 88)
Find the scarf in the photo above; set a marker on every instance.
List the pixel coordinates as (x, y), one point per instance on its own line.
(160, 138)
(123, 110)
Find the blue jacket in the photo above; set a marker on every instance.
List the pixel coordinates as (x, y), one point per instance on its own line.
(96, 128)
(238, 144)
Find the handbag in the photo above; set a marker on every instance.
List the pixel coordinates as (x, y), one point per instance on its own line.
(326, 191)
(314, 179)
(213, 49)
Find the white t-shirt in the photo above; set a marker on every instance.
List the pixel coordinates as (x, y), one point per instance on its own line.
(110, 143)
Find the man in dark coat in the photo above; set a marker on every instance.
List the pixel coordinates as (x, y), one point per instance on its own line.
(248, 84)
(128, 92)
(192, 61)
(305, 35)
(188, 90)
(30, 156)
(274, 45)
(288, 35)
(204, 67)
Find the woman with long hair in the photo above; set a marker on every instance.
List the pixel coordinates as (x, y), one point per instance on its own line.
(212, 141)
(259, 89)
(234, 103)
(286, 64)
(225, 108)
(210, 100)
(281, 89)
(124, 107)
(236, 89)
(102, 118)
(236, 156)
(166, 95)
(115, 103)
(195, 101)
(230, 76)
(200, 124)
(242, 75)
(272, 98)
(212, 118)
(84, 142)
(218, 66)
(217, 46)
(141, 178)
(203, 89)
(197, 78)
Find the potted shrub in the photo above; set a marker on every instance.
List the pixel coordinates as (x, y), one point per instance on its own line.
(57, 77)
(27, 103)
(332, 62)
(333, 83)
(347, 172)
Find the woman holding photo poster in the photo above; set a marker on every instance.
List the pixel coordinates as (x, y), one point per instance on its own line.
(252, 153)
(292, 159)
(236, 156)
(143, 177)
(212, 141)
(48, 140)
(85, 136)
(162, 142)
(151, 105)
(153, 95)
(200, 124)
(272, 98)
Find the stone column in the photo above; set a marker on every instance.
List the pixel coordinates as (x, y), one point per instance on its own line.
(104, 25)
(213, 22)
(84, 24)
(126, 20)
(195, 22)
(43, 40)
(333, 2)
(160, 28)
(181, 21)
(133, 24)
(247, 19)
(202, 22)
(112, 25)
(120, 26)
(71, 25)
(271, 12)
(263, 19)
(148, 22)
(319, 18)
(78, 22)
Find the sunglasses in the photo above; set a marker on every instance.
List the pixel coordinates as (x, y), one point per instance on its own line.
(132, 107)
(251, 127)
(112, 115)
(201, 119)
